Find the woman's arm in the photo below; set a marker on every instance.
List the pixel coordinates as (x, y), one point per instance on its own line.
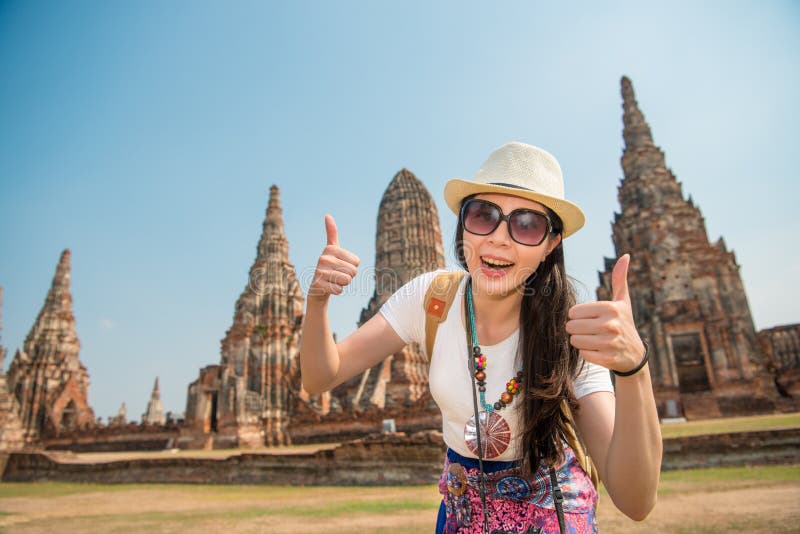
(624, 440)
(323, 363)
(621, 431)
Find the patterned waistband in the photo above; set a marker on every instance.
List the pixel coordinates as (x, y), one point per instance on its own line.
(503, 481)
(489, 466)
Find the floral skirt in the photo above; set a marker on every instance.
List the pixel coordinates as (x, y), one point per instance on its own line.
(513, 503)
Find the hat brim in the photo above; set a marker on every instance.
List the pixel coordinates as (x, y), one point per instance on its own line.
(570, 214)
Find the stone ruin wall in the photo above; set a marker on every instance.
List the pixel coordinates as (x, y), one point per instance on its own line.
(378, 461)
(128, 437)
(781, 345)
(310, 426)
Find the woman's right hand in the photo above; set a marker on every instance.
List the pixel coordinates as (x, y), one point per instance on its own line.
(336, 267)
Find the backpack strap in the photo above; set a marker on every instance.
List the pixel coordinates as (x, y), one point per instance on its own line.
(577, 447)
(438, 298)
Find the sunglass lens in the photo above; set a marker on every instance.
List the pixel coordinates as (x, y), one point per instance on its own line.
(528, 227)
(480, 218)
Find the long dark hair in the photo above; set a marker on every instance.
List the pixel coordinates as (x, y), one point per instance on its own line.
(549, 362)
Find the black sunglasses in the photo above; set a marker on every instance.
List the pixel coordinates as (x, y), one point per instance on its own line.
(525, 226)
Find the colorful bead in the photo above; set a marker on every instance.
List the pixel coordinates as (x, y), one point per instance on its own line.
(512, 386)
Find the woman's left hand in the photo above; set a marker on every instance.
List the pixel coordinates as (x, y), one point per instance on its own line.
(604, 331)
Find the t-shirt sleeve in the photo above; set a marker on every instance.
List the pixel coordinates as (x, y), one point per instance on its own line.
(403, 310)
(591, 379)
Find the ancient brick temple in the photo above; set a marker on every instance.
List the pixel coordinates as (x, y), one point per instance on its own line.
(781, 345)
(11, 431)
(687, 295)
(47, 378)
(154, 415)
(408, 242)
(121, 419)
(244, 401)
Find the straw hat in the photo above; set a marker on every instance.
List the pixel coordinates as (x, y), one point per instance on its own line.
(524, 171)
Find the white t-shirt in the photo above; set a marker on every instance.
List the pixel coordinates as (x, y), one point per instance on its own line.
(449, 375)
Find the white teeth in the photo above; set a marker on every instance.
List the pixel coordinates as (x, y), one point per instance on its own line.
(497, 263)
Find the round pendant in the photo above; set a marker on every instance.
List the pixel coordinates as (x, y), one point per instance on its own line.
(495, 435)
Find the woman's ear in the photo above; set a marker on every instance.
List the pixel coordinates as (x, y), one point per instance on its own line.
(553, 244)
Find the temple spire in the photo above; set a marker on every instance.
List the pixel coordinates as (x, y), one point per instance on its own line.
(636, 131)
(408, 242)
(272, 244)
(274, 205)
(258, 349)
(55, 324)
(156, 393)
(687, 296)
(155, 410)
(648, 182)
(47, 376)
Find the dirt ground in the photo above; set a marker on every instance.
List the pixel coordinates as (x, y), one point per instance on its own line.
(768, 509)
(736, 506)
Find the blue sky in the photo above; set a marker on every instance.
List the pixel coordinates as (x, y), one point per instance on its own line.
(144, 136)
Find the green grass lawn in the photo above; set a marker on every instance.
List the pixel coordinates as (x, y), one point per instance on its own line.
(329, 496)
(128, 508)
(669, 481)
(771, 473)
(731, 424)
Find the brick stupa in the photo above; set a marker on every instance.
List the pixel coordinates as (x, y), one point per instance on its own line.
(49, 380)
(687, 294)
(154, 415)
(408, 242)
(244, 401)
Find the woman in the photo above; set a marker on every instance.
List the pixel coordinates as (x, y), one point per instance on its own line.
(535, 348)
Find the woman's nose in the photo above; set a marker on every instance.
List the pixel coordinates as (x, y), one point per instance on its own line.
(501, 233)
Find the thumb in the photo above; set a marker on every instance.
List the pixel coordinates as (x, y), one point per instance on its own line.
(330, 230)
(619, 279)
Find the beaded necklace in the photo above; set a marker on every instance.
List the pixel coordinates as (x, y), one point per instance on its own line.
(495, 434)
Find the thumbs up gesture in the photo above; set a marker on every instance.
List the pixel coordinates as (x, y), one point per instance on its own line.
(604, 331)
(336, 267)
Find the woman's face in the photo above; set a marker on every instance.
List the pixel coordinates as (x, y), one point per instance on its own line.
(488, 256)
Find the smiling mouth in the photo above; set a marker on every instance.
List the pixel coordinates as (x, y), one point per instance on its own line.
(497, 265)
